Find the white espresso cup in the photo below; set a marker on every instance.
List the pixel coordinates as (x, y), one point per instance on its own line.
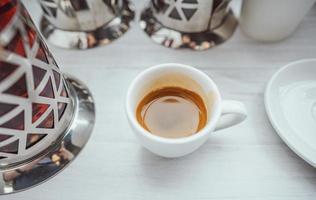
(221, 113)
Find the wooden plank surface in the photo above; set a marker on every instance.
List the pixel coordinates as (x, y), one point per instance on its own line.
(248, 161)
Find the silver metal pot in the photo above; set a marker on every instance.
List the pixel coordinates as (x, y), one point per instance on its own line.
(194, 24)
(82, 24)
(46, 118)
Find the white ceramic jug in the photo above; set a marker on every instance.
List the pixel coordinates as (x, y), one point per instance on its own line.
(272, 20)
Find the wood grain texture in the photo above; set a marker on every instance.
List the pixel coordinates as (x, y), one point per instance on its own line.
(248, 161)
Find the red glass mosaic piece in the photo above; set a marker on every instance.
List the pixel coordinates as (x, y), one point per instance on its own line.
(63, 92)
(61, 109)
(33, 138)
(41, 55)
(6, 69)
(11, 148)
(38, 75)
(57, 78)
(31, 34)
(4, 137)
(16, 45)
(18, 88)
(38, 109)
(48, 122)
(6, 107)
(16, 122)
(48, 90)
(7, 11)
(49, 54)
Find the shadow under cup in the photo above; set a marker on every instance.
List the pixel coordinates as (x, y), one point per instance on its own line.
(175, 76)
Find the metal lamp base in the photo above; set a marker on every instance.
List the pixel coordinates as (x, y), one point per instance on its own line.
(64, 151)
(176, 39)
(88, 39)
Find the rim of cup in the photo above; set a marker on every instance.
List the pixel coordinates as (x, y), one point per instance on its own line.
(211, 123)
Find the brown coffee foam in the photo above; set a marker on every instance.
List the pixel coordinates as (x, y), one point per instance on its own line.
(179, 80)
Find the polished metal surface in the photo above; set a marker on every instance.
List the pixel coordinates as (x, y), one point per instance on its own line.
(36, 107)
(83, 24)
(61, 153)
(45, 118)
(193, 24)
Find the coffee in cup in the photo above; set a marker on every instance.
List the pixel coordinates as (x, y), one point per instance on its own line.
(173, 108)
(172, 112)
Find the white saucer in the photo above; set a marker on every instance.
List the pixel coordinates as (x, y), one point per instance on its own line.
(290, 101)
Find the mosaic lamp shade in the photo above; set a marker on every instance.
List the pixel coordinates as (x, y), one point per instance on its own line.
(82, 24)
(193, 24)
(38, 105)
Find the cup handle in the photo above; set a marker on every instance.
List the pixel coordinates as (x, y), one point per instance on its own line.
(233, 112)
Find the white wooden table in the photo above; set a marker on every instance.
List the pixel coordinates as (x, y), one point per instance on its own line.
(248, 161)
